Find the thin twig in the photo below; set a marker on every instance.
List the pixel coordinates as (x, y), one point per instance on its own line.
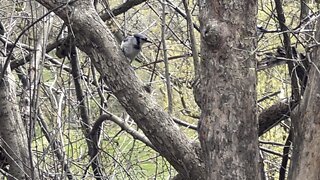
(193, 41)
(6, 64)
(109, 116)
(165, 57)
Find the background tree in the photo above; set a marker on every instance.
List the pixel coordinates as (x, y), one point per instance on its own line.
(84, 110)
(226, 95)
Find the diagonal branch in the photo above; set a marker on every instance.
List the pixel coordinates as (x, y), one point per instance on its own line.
(121, 9)
(97, 41)
(273, 115)
(109, 116)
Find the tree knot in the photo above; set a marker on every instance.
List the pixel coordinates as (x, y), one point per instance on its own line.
(215, 34)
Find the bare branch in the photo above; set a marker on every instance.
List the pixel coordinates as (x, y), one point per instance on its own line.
(85, 122)
(109, 116)
(165, 57)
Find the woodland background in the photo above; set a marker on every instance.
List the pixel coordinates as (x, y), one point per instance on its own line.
(63, 118)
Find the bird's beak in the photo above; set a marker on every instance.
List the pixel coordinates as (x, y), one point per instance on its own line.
(146, 40)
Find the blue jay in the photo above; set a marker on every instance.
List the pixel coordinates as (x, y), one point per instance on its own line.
(131, 45)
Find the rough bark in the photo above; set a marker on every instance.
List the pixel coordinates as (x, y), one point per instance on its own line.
(96, 40)
(226, 95)
(273, 115)
(306, 124)
(12, 131)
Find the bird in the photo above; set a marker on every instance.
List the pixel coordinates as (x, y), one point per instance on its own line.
(131, 45)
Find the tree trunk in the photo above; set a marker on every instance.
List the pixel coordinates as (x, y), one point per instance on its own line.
(306, 124)
(226, 93)
(12, 130)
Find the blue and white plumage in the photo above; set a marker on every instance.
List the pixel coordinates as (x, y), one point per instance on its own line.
(131, 45)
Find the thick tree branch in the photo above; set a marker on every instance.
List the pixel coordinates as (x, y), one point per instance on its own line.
(94, 38)
(273, 115)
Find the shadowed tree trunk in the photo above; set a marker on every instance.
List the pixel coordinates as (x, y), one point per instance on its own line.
(226, 93)
(12, 130)
(306, 125)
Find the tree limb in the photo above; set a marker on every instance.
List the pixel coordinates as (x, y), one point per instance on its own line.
(96, 40)
(273, 115)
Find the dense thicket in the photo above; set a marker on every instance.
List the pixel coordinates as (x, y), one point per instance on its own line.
(226, 90)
